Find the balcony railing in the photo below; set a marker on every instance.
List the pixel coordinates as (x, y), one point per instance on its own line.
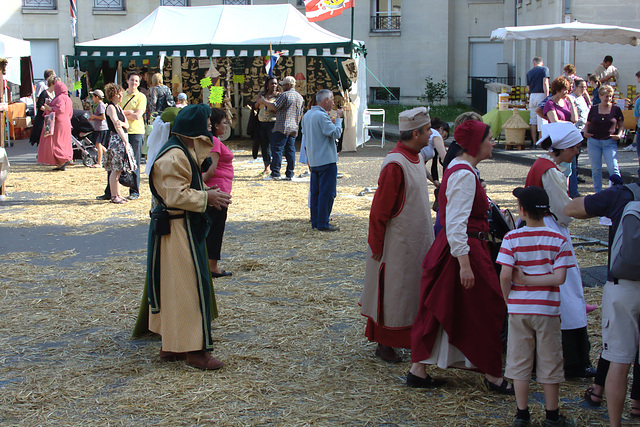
(385, 23)
(40, 4)
(108, 5)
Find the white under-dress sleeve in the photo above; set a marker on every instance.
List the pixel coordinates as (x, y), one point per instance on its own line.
(461, 190)
(555, 184)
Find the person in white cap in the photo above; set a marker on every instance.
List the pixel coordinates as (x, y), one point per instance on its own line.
(400, 235)
(288, 106)
(182, 100)
(563, 141)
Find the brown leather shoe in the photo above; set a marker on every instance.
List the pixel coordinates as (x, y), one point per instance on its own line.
(203, 360)
(170, 356)
(388, 354)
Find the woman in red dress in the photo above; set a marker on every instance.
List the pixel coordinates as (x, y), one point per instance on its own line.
(56, 149)
(461, 310)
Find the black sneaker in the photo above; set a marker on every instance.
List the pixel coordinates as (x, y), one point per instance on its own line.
(133, 196)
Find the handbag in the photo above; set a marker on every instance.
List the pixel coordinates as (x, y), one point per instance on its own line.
(127, 179)
(49, 124)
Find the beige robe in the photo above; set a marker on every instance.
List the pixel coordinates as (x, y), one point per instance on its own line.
(408, 237)
(179, 321)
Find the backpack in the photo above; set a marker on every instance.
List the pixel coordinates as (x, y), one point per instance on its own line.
(165, 99)
(625, 262)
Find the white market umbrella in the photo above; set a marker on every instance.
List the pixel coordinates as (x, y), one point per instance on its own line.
(571, 31)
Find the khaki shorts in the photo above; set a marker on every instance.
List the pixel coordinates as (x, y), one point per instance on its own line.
(620, 314)
(534, 119)
(534, 335)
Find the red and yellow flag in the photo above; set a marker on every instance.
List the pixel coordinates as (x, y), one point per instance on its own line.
(319, 10)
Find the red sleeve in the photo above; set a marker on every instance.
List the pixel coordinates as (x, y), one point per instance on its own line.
(386, 203)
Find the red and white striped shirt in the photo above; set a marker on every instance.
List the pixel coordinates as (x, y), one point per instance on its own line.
(538, 251)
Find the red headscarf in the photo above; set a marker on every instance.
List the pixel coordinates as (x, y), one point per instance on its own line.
(469, 135)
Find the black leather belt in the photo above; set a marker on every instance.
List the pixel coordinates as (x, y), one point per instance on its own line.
(480, 235)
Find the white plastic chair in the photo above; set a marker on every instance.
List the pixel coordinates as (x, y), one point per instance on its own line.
(366, 123)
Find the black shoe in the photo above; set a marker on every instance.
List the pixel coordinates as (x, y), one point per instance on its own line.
(588, 372)
(133, 196)
(581, 180)
(103, 197)
(221, 274)
(428, 382)
(503, 388)
(330, 228)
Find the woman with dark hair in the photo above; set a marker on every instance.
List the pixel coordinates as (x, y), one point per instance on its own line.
(44, 98)
(218, 174)
(461, 310)
(266, 120)
(563, 141)
(436, 149)
(560, 107)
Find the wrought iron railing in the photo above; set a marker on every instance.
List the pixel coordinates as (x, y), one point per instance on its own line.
(385, 23)
(40, 4)
(108, 5)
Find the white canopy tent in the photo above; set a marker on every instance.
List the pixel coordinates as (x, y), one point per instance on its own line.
(571, 31)
(13, 49)
(223, 31)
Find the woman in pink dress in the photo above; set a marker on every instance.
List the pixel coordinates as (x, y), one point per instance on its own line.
(56, 149)
(218, 174)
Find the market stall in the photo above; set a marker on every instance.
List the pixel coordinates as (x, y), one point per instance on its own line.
(15, 67)
(229, 47)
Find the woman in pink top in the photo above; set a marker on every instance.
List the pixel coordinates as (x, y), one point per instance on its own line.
(56, 149)
(560, 107)
(219, 174)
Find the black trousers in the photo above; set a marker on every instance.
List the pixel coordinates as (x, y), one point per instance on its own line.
(218, 219)
(575, 349)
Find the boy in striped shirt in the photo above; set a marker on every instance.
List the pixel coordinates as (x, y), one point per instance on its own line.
(534, 262)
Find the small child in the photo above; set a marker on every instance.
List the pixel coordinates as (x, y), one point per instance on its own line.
(99, 122)
(534, 262)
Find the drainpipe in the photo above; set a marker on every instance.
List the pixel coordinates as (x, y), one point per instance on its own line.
(567, 46)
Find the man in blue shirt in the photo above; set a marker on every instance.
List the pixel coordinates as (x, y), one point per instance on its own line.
(320, 134)
(538, 87)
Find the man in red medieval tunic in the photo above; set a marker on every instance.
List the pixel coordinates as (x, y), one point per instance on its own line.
(400, 234)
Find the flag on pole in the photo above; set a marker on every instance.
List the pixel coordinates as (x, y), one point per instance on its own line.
(319, 10)
(74, 18)
(270, 62)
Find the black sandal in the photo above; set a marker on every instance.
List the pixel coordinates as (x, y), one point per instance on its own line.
(503, 388)
(419, 382)
(589, 394)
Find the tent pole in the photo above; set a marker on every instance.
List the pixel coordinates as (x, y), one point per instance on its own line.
(574, 49)
(351, 44)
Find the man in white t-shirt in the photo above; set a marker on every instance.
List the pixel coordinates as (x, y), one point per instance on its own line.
(606, 72)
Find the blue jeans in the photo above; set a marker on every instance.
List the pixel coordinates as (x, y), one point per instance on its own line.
(324, 180)
(597, 148)
(280, 142)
